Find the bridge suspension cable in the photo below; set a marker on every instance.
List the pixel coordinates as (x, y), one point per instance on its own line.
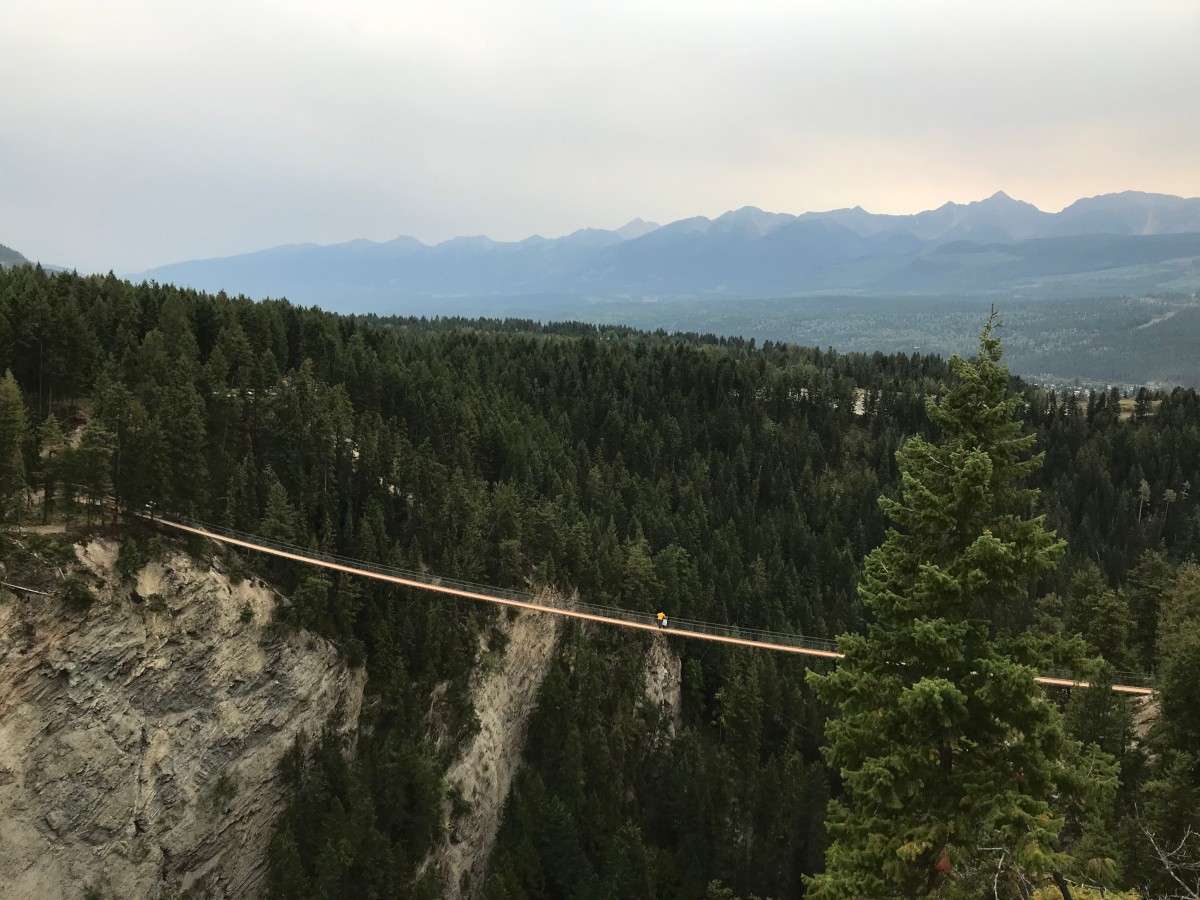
(606, 615)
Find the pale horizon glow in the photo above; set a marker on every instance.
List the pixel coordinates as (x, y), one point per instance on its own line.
(136, 134)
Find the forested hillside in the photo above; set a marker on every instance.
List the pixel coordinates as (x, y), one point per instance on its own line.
(714, 479)
(1133, 339)
(10, 257)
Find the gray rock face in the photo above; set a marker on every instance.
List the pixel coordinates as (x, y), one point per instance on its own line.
(484, 771)
(139, 741)
(664, 684)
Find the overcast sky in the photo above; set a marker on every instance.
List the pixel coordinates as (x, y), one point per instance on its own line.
(139, 133)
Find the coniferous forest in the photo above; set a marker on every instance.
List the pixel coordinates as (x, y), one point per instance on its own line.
(719, 480)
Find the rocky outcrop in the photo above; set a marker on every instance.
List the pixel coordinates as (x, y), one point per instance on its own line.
(663, 676)
(139, 738)
(504, 692)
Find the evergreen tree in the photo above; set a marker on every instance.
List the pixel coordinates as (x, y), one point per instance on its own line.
(279, 520)
(12, 436)
(1173, 793)
(51, 444)
(1146, 590)
(181, 420)
(91, 463)
(950, 753)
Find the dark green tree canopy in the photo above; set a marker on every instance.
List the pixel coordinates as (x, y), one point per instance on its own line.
(952, 757)
(12, 436)
(701, 475)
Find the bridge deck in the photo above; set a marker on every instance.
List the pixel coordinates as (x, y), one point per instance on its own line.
(605, 615)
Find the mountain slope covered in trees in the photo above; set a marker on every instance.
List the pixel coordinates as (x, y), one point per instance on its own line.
(1130, 340)
(10, 257)
(715, 479)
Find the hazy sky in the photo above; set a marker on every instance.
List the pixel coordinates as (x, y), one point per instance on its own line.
(139, 133)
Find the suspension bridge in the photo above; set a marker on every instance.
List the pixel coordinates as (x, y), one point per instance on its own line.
(545, 603)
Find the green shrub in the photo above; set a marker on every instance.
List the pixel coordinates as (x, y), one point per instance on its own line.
(51, 548)
(130, 560)
(198, 547)
(75, 592)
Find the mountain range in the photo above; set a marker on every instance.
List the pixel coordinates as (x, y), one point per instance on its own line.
(1105, 245)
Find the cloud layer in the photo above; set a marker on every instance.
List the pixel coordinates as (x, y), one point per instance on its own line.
(138, 133)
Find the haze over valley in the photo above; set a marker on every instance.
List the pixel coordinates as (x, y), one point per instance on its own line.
(1104, 291)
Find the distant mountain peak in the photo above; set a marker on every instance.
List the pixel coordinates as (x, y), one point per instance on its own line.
(688, 225)
(635, 228)
(473, 242)
(743, 252)
(404, 240)
(752, 220)
(1001, 199)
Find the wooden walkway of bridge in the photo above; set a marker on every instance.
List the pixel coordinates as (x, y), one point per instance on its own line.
(605, 615)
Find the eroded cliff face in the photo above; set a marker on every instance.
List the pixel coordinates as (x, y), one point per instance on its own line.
(504, 693)
(663, 675)
(139, 741)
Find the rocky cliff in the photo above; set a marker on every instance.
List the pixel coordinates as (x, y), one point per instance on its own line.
(504, 692)
(139, 738)
(663, 675)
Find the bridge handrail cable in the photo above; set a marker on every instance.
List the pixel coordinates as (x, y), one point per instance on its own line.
(1125, 682)
(756, 635)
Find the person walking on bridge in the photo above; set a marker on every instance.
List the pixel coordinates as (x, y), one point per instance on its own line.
(662, 620)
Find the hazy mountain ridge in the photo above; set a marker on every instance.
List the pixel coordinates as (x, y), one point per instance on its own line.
(996, 244)
(10, 257)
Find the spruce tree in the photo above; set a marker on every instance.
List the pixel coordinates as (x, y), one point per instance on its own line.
(955, 765)
(12, 436)
(1172, 811)
(91, 464)
(51, 442)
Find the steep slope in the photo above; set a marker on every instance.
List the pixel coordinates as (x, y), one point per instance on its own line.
(664, 684)
(139, 739)
(1129, 212)
(10, 257)
(482, 774)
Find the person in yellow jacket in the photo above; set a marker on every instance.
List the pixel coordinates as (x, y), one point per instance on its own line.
(662, 620)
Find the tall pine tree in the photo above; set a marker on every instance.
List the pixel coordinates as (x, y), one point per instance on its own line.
(955, 766)
(12, 436)
(51, 443)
